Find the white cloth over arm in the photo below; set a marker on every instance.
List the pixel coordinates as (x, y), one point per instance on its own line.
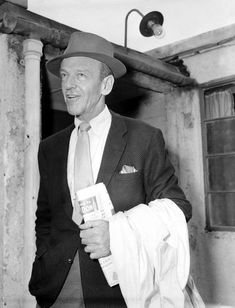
(150, 250)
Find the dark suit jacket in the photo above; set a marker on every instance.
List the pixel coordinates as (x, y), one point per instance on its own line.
(129, 142)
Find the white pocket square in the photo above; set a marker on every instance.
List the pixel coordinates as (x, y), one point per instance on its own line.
(128, 169)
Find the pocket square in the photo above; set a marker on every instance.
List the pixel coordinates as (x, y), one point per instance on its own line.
(128, 169)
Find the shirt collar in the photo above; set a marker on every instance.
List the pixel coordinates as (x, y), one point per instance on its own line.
(97, 123)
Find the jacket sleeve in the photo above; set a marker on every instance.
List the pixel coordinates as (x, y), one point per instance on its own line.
(160, 179)
(43, 213)
(53, 257)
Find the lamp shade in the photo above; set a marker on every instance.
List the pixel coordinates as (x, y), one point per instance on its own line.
(147, 22)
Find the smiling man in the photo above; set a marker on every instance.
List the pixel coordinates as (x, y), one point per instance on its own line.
(83, 86)
(127, 155)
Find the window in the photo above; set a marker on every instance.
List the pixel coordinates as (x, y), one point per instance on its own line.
(219, 157)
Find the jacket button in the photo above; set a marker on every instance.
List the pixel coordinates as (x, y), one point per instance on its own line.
(70, 261)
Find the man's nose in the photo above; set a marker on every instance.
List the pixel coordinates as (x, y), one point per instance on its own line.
(70, 82)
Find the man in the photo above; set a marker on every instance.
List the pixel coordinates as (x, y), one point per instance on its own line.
(127, 155)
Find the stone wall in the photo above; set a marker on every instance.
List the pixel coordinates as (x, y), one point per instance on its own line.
(12, 171)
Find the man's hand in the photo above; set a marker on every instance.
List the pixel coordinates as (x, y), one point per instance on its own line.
(95, 236)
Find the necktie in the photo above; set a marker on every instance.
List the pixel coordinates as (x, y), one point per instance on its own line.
(83, 176)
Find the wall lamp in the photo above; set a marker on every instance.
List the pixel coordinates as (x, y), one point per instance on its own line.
(151, 24)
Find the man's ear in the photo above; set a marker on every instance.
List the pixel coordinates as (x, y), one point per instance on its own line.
(107, 85)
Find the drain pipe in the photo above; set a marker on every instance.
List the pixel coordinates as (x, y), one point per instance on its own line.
(32, 50)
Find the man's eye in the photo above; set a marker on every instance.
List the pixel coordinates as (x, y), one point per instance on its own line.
(62, 75)
(81, 75)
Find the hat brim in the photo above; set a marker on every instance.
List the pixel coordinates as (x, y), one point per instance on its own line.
(117, 67)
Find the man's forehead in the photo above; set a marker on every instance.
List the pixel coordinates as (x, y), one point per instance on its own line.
(80, 62)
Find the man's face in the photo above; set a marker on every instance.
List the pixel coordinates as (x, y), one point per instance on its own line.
(82, 87)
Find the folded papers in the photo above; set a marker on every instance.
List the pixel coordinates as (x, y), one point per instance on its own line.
(95, 203)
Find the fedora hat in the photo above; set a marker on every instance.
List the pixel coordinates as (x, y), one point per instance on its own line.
(83, 44)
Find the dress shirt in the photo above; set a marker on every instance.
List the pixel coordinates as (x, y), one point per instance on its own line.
(98, 133)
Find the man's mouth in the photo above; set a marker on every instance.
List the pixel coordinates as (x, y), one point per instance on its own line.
(72, 96)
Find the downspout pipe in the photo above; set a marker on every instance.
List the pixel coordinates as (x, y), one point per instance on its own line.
(32, 51)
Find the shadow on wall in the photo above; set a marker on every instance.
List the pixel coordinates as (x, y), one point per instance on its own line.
(126, 98)
(128, 108)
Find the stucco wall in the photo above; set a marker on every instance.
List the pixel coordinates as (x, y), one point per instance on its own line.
(215, 251)
(153, 106)
(12, 172)
(212, 253)
(213, 65)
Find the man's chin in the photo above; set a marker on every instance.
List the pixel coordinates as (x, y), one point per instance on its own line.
(73, 111)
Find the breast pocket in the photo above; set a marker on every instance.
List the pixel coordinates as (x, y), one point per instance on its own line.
(128, 176)
(127, 190)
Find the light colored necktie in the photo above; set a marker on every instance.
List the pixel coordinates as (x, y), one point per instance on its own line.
(83, 176)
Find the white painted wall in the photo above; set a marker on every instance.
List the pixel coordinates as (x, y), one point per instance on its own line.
(215, 64)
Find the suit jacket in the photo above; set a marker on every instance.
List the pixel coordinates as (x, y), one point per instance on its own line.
(129, 142)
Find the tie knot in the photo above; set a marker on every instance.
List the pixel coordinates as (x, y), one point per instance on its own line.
(84, 126)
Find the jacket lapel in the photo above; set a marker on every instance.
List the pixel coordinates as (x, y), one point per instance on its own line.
(114, 148)
(62, 169)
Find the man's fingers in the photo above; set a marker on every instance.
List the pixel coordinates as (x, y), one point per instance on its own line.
(95, 236)
(95, 255)
(90, 248)
(89, 241)
(87, 233)
(90, 224)
(96, 252)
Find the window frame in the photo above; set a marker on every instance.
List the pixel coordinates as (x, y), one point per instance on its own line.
(209, 225)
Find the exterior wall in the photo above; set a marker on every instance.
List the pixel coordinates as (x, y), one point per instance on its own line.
(208, 56)
(153, 107)
(12, 172)
(215, 64)
(19, 138)
(212, 253)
